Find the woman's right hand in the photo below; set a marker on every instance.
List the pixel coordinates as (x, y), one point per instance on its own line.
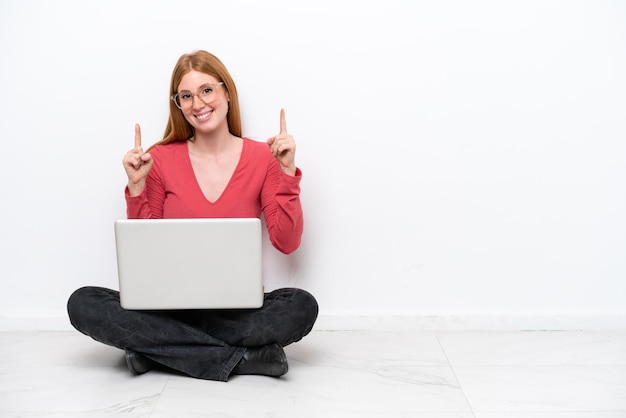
(137, 165)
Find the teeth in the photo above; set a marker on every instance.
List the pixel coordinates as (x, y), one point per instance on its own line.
(203, 116)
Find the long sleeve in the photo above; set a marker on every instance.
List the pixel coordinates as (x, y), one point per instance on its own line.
(280, 200)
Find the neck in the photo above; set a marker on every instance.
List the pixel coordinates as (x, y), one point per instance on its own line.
(211, 143)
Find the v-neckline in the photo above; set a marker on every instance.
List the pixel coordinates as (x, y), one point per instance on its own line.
(227, 186)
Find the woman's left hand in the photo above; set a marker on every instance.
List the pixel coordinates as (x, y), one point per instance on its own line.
(283, 147)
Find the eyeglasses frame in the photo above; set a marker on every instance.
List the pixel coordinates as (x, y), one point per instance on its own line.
(215, 85)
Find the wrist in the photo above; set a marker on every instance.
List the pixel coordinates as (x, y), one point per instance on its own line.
(291, 170)
(135, 189)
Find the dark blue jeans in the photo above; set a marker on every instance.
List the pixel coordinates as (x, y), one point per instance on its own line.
(205, 344)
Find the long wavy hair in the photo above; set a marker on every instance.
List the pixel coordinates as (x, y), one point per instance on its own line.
(178, 129)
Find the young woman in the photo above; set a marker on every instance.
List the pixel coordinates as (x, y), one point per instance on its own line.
(205, 168)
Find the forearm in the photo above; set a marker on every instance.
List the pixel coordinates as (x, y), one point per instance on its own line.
(283, 214)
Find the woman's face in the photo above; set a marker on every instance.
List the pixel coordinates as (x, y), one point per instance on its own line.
(203, 101)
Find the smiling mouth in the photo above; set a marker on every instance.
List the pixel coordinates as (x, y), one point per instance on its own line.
(204, 116)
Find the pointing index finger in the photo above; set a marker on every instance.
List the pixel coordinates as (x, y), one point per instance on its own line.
(283, 122)
(137, 136)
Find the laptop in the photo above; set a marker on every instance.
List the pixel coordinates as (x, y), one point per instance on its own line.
(189, 263)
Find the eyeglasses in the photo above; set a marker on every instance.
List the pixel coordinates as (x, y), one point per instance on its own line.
(206, 93)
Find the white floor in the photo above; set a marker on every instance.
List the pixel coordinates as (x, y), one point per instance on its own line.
(333, 374)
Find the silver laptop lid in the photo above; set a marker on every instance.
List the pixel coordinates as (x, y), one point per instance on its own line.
(189, 263)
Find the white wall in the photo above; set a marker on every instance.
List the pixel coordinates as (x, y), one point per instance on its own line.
(459, 157)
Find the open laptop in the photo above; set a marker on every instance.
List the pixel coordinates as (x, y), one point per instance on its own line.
(189, 263)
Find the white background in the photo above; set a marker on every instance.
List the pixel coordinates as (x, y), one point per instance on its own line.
(459, 157)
